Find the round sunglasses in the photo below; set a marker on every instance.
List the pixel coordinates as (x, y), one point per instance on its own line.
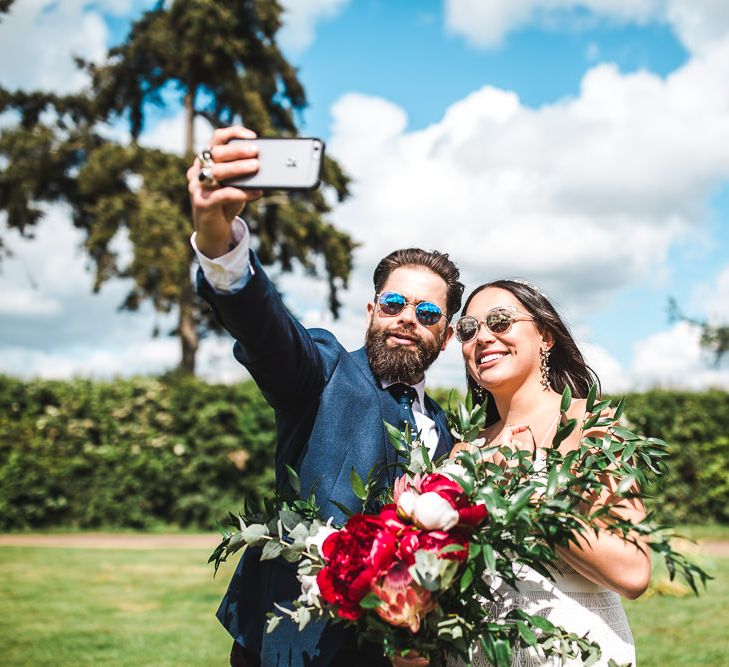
(498, 320)
(393, 303)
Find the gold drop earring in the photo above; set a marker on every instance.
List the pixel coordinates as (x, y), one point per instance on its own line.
(544, 366)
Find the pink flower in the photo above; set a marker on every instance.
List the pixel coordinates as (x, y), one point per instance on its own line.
(405, 603)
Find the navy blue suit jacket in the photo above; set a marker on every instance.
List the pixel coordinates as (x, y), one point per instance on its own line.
(330, 410)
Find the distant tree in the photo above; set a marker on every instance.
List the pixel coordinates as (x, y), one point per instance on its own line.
(714, 337)
(219, 61)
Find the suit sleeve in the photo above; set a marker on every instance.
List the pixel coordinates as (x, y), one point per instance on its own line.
(276, 349)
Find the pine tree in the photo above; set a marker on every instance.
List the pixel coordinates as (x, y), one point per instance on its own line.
(217, 60)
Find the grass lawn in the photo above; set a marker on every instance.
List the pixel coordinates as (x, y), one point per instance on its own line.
(156, 607)
(686, 630)
(104, 607)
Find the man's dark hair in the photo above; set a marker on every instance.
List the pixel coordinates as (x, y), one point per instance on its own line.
(434, 261)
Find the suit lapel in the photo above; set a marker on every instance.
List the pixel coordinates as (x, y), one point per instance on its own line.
(388, 409)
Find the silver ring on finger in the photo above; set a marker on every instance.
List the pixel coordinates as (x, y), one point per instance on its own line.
(207, 178)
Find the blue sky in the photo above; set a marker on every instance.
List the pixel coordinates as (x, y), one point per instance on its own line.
(585, 149)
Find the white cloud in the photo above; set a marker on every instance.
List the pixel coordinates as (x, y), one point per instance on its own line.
(697, 23)
(614, 379)
(38, 39)
(140, 358)
(582, 197)
(53, 324)
(28, 303)
(674, 359)
(168, 134)
(300, 19)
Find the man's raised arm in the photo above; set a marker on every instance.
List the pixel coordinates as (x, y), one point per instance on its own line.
(274, 347)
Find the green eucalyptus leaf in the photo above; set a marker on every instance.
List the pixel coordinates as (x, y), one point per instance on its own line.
(526, 633)
(466, 579)
(542, 623)
(293, 479)
(464, 418)
(626, 483)
(289, 518)
(469, 400)
(451, 548)
(370, 601)
(478, 417)
(292, 553)
(254, 534)
(591, 396)
(395, 436)
(563, 432)
(489, 557)
(624, 433)
(566, 399)
(304, 616)
(502, 653)
(272, 623)
(358, 486)
(271, 550)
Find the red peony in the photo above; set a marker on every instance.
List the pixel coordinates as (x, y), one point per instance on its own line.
(355, 556)
(408, 544)
(443, 486)
(435, 540)
(472, 515)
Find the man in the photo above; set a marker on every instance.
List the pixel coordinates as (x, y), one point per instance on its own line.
(330, 404)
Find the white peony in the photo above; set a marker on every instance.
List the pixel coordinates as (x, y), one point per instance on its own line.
(433, 512)
(406, 504)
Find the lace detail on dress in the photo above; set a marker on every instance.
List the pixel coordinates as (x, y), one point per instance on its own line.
(570, 601)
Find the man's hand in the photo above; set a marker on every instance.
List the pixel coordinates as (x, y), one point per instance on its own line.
(214, 207)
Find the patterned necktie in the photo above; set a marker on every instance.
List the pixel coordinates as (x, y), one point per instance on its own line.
(405, 396)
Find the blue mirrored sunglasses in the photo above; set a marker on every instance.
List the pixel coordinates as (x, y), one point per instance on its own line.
(392, 303)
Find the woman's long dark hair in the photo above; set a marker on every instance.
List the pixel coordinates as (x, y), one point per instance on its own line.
(567, 366)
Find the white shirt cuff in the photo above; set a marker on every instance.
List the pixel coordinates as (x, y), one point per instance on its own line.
(229, 272)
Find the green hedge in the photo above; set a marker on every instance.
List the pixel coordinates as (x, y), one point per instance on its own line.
(696, 428)
(143, 452)
(130, 453)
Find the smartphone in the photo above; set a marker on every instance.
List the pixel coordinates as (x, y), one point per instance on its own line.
(285, 164)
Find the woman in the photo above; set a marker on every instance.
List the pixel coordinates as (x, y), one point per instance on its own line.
(519, 356)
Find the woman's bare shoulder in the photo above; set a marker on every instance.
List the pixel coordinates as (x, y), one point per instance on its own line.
(577, 409)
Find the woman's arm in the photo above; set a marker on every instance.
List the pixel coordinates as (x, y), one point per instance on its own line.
(606, 558)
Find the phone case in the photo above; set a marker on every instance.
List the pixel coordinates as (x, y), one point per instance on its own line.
(285, 164)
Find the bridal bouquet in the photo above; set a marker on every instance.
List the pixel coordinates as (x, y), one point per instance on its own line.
(414, 567)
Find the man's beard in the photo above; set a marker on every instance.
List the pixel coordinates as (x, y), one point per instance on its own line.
(402, 363)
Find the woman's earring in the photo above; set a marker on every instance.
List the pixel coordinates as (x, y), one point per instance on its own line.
(544, 366)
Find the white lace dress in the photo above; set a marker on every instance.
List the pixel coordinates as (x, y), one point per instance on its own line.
(568, 600)
(572, 602)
